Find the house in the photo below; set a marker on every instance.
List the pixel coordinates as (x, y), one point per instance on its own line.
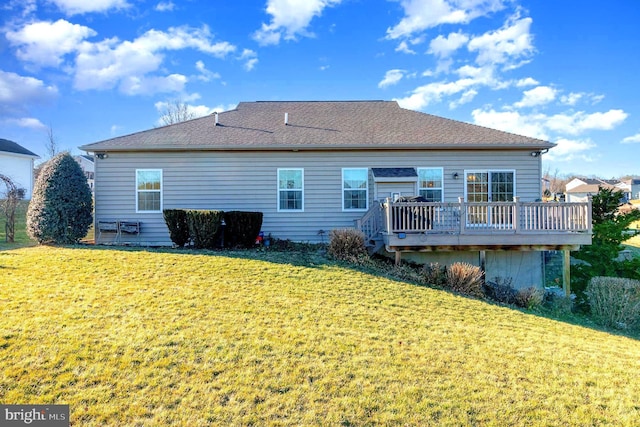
(316, 166)
(579, 189)
(631, 188)
(16, 162)
(87, 165)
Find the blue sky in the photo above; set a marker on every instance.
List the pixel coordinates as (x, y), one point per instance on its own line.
(563, 71)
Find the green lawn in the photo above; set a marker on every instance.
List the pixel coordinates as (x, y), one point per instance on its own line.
(156, 338)
(21, 238)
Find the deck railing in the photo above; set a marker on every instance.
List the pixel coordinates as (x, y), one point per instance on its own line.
(371, 224)
(492, 217)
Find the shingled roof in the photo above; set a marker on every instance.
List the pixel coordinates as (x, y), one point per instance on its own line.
(13, 147)
(317, 125)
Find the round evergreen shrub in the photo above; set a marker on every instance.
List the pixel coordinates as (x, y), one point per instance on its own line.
(61, 208)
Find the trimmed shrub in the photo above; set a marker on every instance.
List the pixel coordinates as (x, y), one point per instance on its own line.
(529, 297)
(434, 274)
(61, 208)
(501, 290)
(241, 228)
(465, 278)
(615, 301)
(203, 226)
(347, 244)
(176, 220)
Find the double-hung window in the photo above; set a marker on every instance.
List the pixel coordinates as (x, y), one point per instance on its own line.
(148, 190)
(290, 189)
(430, 184)
(355, 189)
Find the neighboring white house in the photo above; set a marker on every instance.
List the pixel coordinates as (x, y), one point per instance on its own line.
(16, 162)
(87, 165)
(631, 188)
(579, 189)
(311, 167)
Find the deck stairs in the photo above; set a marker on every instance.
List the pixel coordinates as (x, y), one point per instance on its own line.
(371, 224)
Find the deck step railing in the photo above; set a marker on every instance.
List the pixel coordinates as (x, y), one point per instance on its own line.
(371, 224)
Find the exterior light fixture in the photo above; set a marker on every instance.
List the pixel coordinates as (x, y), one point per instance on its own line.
(455, 175)
(102, 156)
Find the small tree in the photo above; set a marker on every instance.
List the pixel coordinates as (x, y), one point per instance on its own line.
(176, 112)
(60, 210)
(9, 205)
(601, 257)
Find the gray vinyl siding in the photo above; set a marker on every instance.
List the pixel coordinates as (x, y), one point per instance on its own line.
(242, 180)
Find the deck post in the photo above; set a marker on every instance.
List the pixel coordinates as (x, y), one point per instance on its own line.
(463, 215)
(515, 218)
(566, 273)
(398, 257)
(388, 213)
(483, 261)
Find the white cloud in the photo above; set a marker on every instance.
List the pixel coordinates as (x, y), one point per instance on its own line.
(205, 75)
(391, 78)
(572, 149)
(537, 96)
(290, 18)
(464, 99)
(434, 92)
(505, 45)
(165, 6)
(112, 63)
(76, 7)
(632, 139)
(512, 121)
(445, 46)
(17, 92)
(574, 97)
(404, 48)
(527, 82)
(148, 85)
(571, 99)
(579, 122)
(26, 122)
(421, 15)
(250, 57)
(542, 126)
(25, 7)
(45, 43)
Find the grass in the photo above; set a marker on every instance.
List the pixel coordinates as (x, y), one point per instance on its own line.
(156, 338)
(633, 244)
(21, 238)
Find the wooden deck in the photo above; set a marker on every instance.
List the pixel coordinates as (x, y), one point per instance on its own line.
(419, 226)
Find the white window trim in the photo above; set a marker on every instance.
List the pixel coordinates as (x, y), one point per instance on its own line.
(489, 171)
(288, 189)
(366, 191)
(149, 191)
(442, 180)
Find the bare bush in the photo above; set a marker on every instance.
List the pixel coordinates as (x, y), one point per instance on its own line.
(529, 297)
(615, 301)
(465, 278)
(347, 244)
(434, 274)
